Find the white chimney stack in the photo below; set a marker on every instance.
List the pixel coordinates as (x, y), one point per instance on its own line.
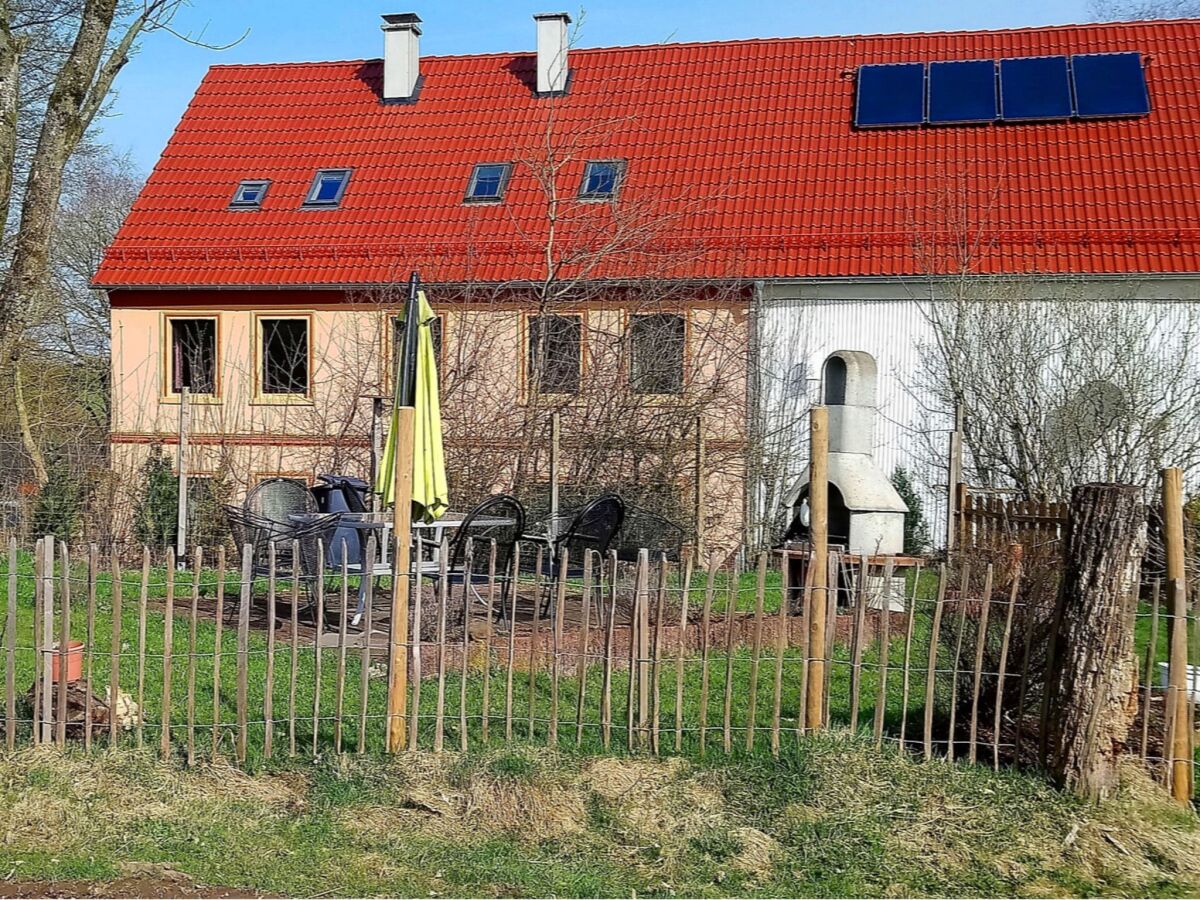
(552, 52)
(401, 56)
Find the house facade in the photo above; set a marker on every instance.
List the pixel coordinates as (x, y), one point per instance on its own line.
(662, 244)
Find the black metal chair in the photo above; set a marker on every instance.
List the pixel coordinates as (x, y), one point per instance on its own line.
(278, 498)
(593, 527)
(298, 548)
(645, 529)
(474, 572)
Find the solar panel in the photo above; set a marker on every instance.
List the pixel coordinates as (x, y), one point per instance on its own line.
(890, 95)
(1109, 84)
(961, 92)
(1035, 87)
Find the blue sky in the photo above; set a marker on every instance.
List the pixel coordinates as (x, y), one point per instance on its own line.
(156, 86)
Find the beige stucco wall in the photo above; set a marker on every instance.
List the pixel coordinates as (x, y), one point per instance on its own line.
(247, 436)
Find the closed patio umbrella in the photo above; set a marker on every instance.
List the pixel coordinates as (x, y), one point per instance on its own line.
(416, 383)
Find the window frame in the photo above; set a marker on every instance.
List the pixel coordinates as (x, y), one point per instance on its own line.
(261, 396)
(618, 180)
(505, 175)
(263, 185)
(167, 392)
(685, 320)
(310, 199)
(528, 319)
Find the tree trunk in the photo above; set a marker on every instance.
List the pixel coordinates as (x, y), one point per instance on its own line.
(1093, 678)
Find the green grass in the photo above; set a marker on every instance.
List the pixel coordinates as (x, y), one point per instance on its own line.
(831, 817)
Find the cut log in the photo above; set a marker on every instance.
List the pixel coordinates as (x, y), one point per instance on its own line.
(1093, 677)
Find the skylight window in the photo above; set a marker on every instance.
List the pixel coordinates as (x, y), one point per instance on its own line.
(488, 181)
(601, 179)
(327, 187)
(249, 195)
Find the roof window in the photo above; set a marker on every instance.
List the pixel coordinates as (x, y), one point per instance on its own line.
(327, 187)
(249, 194)
(488, 182)
(601, 179)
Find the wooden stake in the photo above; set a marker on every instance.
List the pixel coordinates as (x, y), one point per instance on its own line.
(980, 644)
(908, 637)
(486, 701)
(141, 644)
(466, 646)
(46, 660)
(402, 577)
(1004, 642)
(243, 649)
(643, 645)
(581, 663)
(760, 589)
(1180, 710)
(606, 694)
(364, 664)
(856, 652)
(294, 660)
(656, 653)
(88, 662)
(962, 614)
(269, 677)
(39, 562)
(818, 498)
(885, 648)
(1151, 659)
(682, 649)
(168, 651)
(556, 637)
(439, 723)
(414, 720)
(635, 618)
(512, 638)
(705, 643)
(10, 651)
(339, 685)
(198, 563)
(935, 633)
(317, 635)
(64, 641)
(727, 710)
(534, 637)
(219, 612)
(781, 641)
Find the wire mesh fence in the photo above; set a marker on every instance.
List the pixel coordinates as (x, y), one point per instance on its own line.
(219, 656)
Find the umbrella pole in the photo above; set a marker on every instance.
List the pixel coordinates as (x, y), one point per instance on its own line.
(397, 732)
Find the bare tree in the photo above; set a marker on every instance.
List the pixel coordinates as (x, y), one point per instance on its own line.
(1106, 10)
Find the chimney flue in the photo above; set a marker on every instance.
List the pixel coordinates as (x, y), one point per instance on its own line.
(552, 52)
(401, 56)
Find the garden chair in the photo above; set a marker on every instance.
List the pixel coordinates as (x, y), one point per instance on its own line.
(645, 529)
(501, 506)
(593, 527)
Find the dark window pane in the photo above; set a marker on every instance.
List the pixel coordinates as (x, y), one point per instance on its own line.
(600, 179)
(194, 355)
(487, 182)
(327, 187)
(554, 354)
(656, 354)
(249, 193)
(285, 356)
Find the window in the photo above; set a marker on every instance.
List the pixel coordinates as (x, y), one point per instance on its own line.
(656, 354)
(327, 187)
(488, 181)
(601, 179)
(554, 354)
(193, 363)
(249, 195)
(435, 331)
(284, 356)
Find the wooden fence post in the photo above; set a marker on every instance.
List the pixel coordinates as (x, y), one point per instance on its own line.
(46, 662)
(1179, 693)
(397, 696)
(818, 504)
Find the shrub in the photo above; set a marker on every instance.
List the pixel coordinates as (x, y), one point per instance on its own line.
(58, 505)
(154, 518)
(916, 526)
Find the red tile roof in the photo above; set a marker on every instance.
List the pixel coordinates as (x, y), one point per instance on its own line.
(742, 162)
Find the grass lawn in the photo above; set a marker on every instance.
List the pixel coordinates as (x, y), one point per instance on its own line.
(833, 817)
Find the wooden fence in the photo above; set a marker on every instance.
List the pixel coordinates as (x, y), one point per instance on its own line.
(993, 522)
(654, 656)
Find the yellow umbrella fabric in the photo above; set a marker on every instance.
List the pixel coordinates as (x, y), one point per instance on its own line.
(430, 492)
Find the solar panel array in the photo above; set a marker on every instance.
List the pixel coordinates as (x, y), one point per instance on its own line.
(1024, 89)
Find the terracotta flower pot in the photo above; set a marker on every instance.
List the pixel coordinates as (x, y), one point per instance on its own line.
(74, 661)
